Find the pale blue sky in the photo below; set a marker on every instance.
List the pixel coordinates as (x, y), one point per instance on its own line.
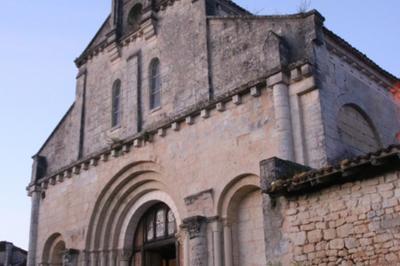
(40, 39)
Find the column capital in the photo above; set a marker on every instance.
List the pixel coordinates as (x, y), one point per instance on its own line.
(33, 189)
(125, 254)
(70, 257)
(194, 225)
(278, 78)
(226, 222)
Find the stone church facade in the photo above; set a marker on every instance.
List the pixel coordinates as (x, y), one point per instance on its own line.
(193, 140)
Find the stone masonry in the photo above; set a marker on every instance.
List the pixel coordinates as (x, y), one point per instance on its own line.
(352, 224)
(233, 89)
(354, 221)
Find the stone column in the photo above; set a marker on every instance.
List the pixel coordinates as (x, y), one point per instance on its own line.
(217, 241)
(186, 250)
(228, 259)
(103, 256)
(197, 229)
(84, 258)
(112, 258)
(34, 193)
(94, 256)
(71, 257)
(280, 91)
(182, 247)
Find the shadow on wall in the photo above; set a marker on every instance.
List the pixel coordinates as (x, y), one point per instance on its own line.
(396, 95)
(357, 131)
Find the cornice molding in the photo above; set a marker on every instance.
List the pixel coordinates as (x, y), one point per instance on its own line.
(161, 129)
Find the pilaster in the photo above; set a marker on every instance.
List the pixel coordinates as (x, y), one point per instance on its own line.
(35, 193)
(196, 227)
(283, 119)
(228, 255)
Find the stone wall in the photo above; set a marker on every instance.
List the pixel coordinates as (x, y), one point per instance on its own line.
(203, 156)
(204, 57)
(356, 132)
(248, 243)
(242, 43)
(62, 148)
(343, 80)
(355, 223)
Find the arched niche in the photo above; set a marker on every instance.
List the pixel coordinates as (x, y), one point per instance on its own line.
(240, 207)
(357, 131)
(53, 251)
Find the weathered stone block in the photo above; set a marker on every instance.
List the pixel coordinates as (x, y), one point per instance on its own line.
(314, 236)
(336, 244)
(345, 230)
(298, 238)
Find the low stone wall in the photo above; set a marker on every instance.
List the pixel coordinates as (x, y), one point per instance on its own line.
(356, 223)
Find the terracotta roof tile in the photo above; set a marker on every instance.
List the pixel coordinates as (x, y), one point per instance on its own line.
(348, 169)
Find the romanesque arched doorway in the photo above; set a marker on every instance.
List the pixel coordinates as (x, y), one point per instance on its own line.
(155, 243)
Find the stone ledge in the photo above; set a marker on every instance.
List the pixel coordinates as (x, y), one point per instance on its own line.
(253, 88)
(275, 179)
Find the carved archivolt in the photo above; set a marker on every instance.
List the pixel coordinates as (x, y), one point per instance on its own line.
(120, 206)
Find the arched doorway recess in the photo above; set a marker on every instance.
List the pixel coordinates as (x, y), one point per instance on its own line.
(155, 243)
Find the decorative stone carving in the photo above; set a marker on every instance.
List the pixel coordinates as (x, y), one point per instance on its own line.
(76, 169)
(125, 148)
(104, 157)
(33, 189)
(175, 126)
(255, 92)
(125, 254)
(236, 99)
(205, 113)
(220, 107)
(137, 143)
(60, 178)
(149, 25)
(306, 70)
(52, 181)
(295, 74)
(85, 166)
(204, 201)
(194, 225)
(67, 174)
(161, 132)
(189, 120)
(114, 153)
(70, 257)
(93, 162)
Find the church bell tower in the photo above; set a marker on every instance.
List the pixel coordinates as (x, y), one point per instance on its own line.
(128, 16)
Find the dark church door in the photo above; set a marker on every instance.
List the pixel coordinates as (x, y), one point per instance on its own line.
(155, 242)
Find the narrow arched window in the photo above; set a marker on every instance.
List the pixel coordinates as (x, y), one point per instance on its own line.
(116, 104)
(155, 84)
(135, 16)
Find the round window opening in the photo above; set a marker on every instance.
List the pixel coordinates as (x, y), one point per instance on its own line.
(135, 15)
